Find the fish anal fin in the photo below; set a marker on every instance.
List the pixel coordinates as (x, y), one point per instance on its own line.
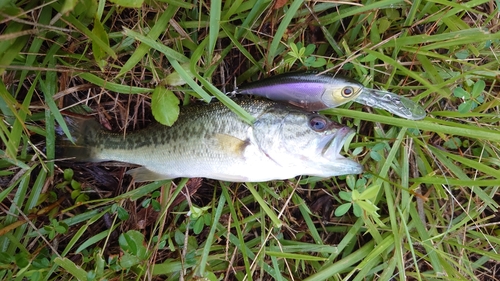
(230, 178)
(232, 145)
(143, 174)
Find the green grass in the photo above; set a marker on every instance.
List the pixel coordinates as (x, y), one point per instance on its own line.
(425, 209)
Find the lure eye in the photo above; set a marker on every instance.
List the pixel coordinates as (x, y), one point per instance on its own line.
(347, 91)
(318, 124)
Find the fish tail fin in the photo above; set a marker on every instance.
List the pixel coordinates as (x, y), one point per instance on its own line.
(81, 146)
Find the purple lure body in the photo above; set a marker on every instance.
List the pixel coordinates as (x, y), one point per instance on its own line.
(305, 89)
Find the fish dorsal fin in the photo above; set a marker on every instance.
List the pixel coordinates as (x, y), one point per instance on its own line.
(143, 174)
(232, 144)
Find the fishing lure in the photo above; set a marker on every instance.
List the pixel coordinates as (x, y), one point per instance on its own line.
(313, 91)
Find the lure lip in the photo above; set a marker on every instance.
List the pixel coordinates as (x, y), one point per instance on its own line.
(393, 103)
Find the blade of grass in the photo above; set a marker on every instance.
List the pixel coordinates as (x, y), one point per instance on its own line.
(174, 59)
(111, 86)
(159, 27)
(426, 241)
(404, 70)
(12, 51)
(351, 11)
(443, 40)
(19, 123)
(373, 258)
(258, 8)
(237, 225)
(276, 222)
(213, 32)
(77, 219)
(276, 270)
(197, 54)
(456, 182)
(410, 244)
(170, 53)
(210, 237)
(383, 172)
(399, 222)
(167, 267)
(185, 75)
(344, 264)
(36, 191)
(144, 190)
(290, 246)
(487, 170)
(49, 86)
(430, 69)
(36, 44)
(15, 209)
(426, 124)
(81, 231)
(456, 9)
(306, 215)
(285, 22)
(83, 29)
(226, 29)
(294, 256)
(458, 172)
(71, 268)
(94, 239)
(11, 150)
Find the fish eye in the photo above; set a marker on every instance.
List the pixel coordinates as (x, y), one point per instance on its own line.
(317, 123)
(347, 91)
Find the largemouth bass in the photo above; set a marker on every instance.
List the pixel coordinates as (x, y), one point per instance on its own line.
(313, 91)
(211, 141)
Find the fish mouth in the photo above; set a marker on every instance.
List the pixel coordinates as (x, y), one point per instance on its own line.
(395, 104)
(331, 147)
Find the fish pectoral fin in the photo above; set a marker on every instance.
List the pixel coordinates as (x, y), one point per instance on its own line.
(143, 174)
(231, 144)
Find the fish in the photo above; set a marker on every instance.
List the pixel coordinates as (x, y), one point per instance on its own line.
(211, 141)
(314, 91)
